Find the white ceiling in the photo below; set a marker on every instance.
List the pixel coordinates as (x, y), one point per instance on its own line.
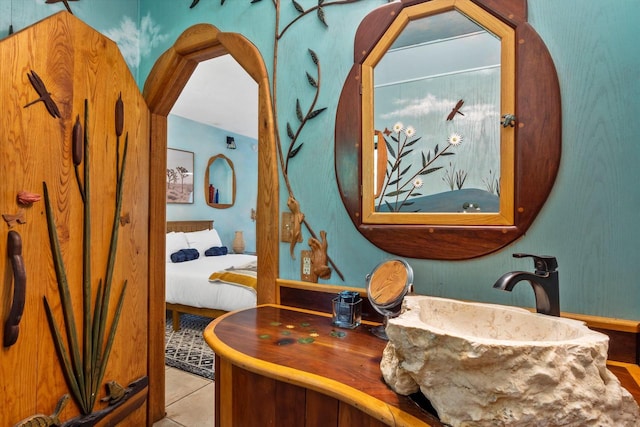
(220, 93)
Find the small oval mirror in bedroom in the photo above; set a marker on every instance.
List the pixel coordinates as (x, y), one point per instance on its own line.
(220, 182)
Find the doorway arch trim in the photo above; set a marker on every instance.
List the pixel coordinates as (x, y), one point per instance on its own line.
(162, 88)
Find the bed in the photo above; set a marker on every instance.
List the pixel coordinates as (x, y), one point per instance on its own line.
(209, 285)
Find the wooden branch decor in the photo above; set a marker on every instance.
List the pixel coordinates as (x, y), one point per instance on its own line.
(45, 96)
(84, 372)
(303, 116)
(66, 4)
(128, 394)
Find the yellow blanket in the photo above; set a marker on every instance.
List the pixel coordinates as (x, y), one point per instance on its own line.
(244, 278)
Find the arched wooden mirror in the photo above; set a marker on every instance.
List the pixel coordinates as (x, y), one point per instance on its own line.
(220, 182)
(448, 127)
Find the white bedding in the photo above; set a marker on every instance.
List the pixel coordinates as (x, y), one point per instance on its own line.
(188, 283)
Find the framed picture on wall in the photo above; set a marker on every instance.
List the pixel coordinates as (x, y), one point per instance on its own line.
(179, 176)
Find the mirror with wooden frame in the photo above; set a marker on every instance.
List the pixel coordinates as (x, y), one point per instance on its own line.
(220, 182)
(387, 285)
(448, 127)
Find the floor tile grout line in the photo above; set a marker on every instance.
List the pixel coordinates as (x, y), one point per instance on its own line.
(188, 395)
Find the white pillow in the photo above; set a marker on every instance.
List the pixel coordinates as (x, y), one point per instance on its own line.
(175, 242)
(203, 240)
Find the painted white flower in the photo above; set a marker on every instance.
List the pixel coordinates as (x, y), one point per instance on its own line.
(455, 139)
(417, 183)
(410, 131)
(397, 128)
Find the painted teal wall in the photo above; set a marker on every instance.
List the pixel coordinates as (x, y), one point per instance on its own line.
(118, 19)
(205, 142)
(590, 220)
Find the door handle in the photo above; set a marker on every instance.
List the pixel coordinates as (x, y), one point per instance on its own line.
(12, 324)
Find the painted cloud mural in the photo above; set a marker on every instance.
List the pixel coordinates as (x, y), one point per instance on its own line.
(135, 43)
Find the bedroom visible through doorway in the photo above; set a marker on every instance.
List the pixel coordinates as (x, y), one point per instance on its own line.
(218, 102)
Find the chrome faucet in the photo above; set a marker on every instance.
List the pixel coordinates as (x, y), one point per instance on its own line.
(544, 283)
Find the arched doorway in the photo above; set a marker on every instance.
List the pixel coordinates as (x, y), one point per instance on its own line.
(162, 87)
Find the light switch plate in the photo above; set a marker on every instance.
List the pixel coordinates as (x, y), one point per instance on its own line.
(286, 232)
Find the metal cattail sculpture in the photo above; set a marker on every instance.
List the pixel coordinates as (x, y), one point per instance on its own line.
(119, 127)
(77, 151)
(84, 355)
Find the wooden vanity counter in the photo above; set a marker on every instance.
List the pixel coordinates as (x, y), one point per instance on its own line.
(278, 365)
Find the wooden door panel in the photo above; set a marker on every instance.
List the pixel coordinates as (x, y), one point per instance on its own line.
(25, 165)
(79, 67)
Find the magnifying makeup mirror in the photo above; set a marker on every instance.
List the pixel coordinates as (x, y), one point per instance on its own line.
(387, 285)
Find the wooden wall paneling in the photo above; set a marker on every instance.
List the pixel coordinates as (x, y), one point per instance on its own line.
(18, 401)
(112, 79)
(623, 346)
(223, 393)
(28, 132)
(349, 416)
(321, 410)
(257, 407)
(318, 297)
(259, 401)
(290, 405)
(217, 392)
(75, 63)
(267, 224)
(156, 302)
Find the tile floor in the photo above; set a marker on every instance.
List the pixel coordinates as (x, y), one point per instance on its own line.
(189, 400)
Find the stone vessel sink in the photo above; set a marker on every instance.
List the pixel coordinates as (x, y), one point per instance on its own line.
(494, 365)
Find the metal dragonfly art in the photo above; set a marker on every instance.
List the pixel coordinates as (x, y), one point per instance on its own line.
(45, 96)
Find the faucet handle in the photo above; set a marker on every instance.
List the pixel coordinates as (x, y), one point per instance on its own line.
(542, 263)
